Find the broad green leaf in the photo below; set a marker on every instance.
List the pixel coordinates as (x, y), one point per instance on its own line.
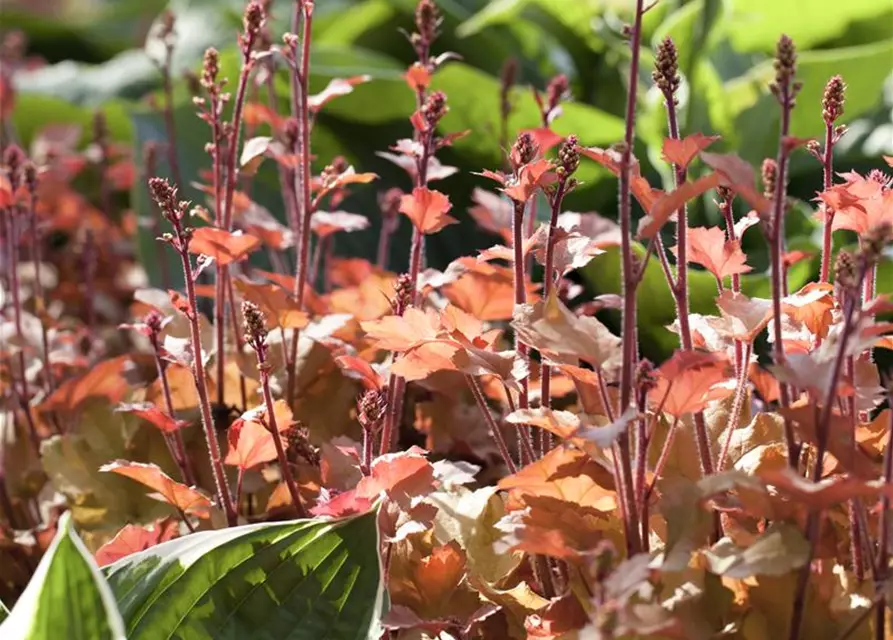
(755, 130)
(4, 612)
(756, 24)
(300, 580)
(66, 598)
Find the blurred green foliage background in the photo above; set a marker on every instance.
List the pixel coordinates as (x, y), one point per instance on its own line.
(95, 48)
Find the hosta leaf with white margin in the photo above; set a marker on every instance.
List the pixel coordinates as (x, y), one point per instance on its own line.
(66, 598)
(299, 579)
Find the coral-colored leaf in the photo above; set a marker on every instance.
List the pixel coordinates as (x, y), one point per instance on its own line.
(103, 380)
(224, 246)
(360, 369)
(250, 445)
(709, 248)
(279, 307)
(427, 209)
(688, 381)
(544, 137)
(336, 87)
(325, 223)
(152, 414)
(417, 77)
(399, 333)
(739, 176)
(682, 152)
(134, 538)
(185, 499)
(667, 204)
(531, 177)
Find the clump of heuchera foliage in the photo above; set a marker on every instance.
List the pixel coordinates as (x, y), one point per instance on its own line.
(533, 475)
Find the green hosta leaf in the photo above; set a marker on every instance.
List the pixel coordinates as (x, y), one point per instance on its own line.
(756, 24)
(756, 113)
(66, 598)
(299, 579)
(4, 612)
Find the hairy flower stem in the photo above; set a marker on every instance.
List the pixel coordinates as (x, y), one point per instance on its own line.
(175, 439)
(521, 298)
(273, 428)
(725, 207)
(549, 281)
(300, 90)
(737, 403)
(827, 181)
(23, 393)
(823, 426)
(785, 91)
(201, 385)
(495, 430)
(628, 333)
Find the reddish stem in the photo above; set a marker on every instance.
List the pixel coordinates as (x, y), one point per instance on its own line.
(813, 523)
(777, 241)
(302, 179)
(827, 180)
(496, 432)
(175, 439)
(273, 428)
(223, 493)
(628, 334)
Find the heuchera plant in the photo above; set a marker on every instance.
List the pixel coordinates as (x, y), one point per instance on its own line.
(387, 450)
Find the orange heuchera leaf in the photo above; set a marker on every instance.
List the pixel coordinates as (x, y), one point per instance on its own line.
(709, 248)
(225, 247)
(183, 498)
(350, 176)
(563, 424)
(401, 476)
(439, 574)
(279, 307)
(739, 176)
(361, 370)
(417, 77)
(812, 306)
(105, 380)
(342, 504)
(135, 538)
(325, 223)
(803, 416)
(542, 478)
(639, 186)
(551, 328)
(825, 493)
(427, 209)
(531, 177)
(668, 203)
(544, 137)
(492, 213)
(152, 414)
(688, 381)
(399, 333)
(746, 317)
(336, 87)
(250, 444)
(487, 292)
(682, 152)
